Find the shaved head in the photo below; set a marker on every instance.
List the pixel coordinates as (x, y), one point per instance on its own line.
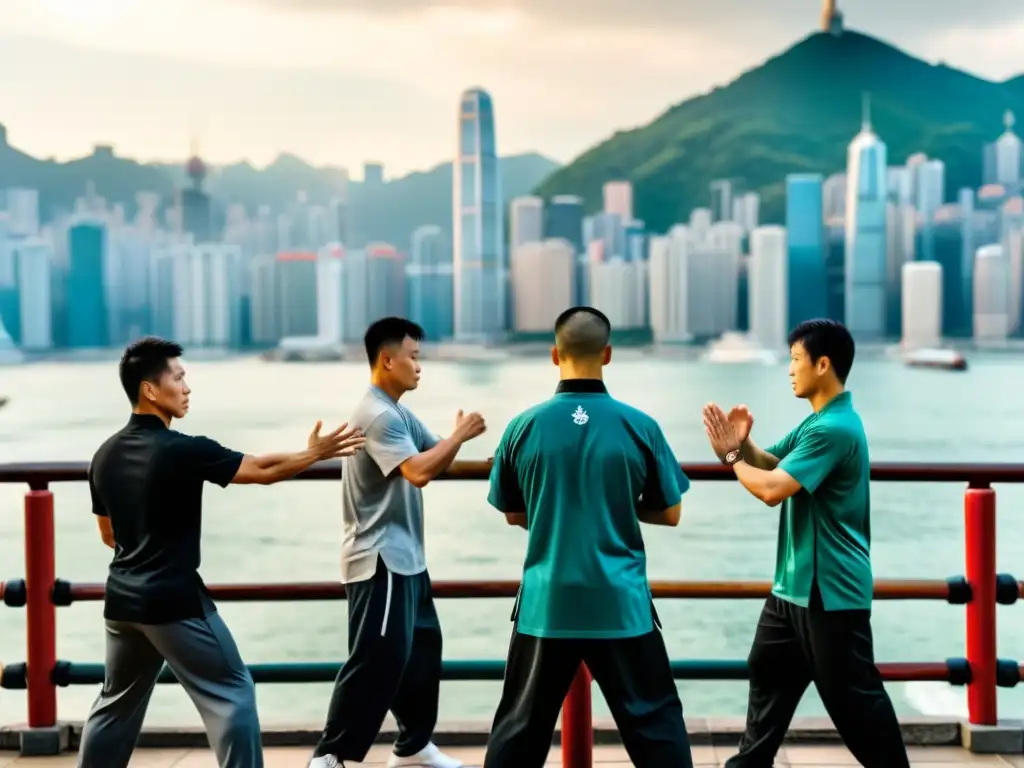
(582, 333)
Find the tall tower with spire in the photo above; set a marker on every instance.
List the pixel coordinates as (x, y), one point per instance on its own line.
(1009, 152)
(196, 215)
(831, 18)
(866, 258)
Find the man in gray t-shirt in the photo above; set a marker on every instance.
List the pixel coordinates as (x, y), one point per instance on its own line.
(382, 511)
(394, 636)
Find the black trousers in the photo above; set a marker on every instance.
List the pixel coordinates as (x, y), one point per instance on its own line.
(394, 663)
(635, 677)
(795, 646)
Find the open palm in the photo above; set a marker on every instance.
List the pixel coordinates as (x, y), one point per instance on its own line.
(742, 421)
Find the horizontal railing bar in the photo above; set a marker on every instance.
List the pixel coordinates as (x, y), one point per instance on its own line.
(41, 473)
(916, 589)
(67, 673)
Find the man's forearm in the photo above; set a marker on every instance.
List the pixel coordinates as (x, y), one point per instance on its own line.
(756, 457)
(282, 466)
(653, 517)
(760, 482)
(424, 467)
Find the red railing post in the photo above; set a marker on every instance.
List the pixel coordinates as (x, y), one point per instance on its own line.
(41, 612)
(980, 569)
(577, 723)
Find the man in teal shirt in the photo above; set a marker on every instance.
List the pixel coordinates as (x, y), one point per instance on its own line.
(816, 624)
(580, 472)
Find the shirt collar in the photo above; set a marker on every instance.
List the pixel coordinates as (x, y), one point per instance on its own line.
(844, 398)
(146, 421)
(576, 386)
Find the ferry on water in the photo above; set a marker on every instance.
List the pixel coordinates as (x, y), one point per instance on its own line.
(738, 348)
(942, 359)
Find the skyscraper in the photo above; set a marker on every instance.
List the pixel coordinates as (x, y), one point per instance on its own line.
(922, 304)
(805, 234)
(991, 294)
(329, 299)
(34, 261)
(769, 262)
(480, 266)
(866, 175)
(429, 282)
(618, 199)
(526, 220)
(563, 219)
(542, 284)
(1008, 153)
(88, 245)
(669, 265)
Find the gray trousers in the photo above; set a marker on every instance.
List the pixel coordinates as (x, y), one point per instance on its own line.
(203, 656)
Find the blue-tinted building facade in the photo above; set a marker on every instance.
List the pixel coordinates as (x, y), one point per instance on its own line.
(563, 219)
(429, 283)
(10, 304)
(86, 294)
(866, 236)
(480, 265)
(805, 234)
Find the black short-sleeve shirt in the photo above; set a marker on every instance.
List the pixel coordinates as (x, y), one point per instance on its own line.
(148, 480)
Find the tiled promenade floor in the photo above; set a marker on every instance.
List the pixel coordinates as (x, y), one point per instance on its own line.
(604, 757)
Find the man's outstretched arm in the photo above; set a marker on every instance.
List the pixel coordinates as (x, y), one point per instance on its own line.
(223, 466)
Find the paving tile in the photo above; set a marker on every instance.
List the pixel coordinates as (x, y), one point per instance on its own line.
(605, 756)
(806, 755)
(950, 755)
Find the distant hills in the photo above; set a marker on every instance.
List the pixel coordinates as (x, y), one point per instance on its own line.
(797, 113)
(387, 212)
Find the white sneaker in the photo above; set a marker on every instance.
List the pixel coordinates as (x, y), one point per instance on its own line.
(327, 761)
(428, 757)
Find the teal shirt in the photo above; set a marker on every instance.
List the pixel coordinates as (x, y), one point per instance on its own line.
(581, 466)
(825, 528)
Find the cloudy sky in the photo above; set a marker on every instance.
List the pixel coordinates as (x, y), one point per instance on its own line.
(343, 81)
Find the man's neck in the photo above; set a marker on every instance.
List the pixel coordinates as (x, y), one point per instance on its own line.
(825, 396)
(143, 410)
(568, 371)
(385, 386)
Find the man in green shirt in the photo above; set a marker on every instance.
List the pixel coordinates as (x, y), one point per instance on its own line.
(580, 472)
(816, 624)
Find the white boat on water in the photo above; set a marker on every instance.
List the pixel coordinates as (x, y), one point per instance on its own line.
(942, 359)
(737, 348)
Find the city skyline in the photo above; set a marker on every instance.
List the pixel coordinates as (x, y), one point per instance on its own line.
(225, 80)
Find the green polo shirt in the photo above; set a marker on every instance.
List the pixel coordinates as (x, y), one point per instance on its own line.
(580, 466)
(825, 529)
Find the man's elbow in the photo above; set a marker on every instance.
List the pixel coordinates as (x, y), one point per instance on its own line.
(413, 473)
(774, 493)
(673, 515)
(414, 477)
(517, 519)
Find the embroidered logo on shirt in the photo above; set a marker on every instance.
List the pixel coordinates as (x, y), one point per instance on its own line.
(579, 416)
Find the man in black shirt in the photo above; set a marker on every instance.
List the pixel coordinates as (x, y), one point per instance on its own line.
(146, 483)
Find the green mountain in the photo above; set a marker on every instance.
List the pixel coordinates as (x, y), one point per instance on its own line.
(386, 212)
(797, 113)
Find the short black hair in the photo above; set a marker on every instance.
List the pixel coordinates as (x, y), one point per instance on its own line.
(826, 338)
(386, 331)
(146, 360)
(582, 332)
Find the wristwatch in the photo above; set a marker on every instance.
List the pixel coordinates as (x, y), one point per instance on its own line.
(732, 457)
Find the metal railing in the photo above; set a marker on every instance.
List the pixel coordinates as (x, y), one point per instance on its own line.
(980, 590)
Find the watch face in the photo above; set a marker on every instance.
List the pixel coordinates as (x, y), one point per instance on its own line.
(731, 456)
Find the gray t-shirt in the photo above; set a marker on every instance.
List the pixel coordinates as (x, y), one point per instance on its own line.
(381, 510)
